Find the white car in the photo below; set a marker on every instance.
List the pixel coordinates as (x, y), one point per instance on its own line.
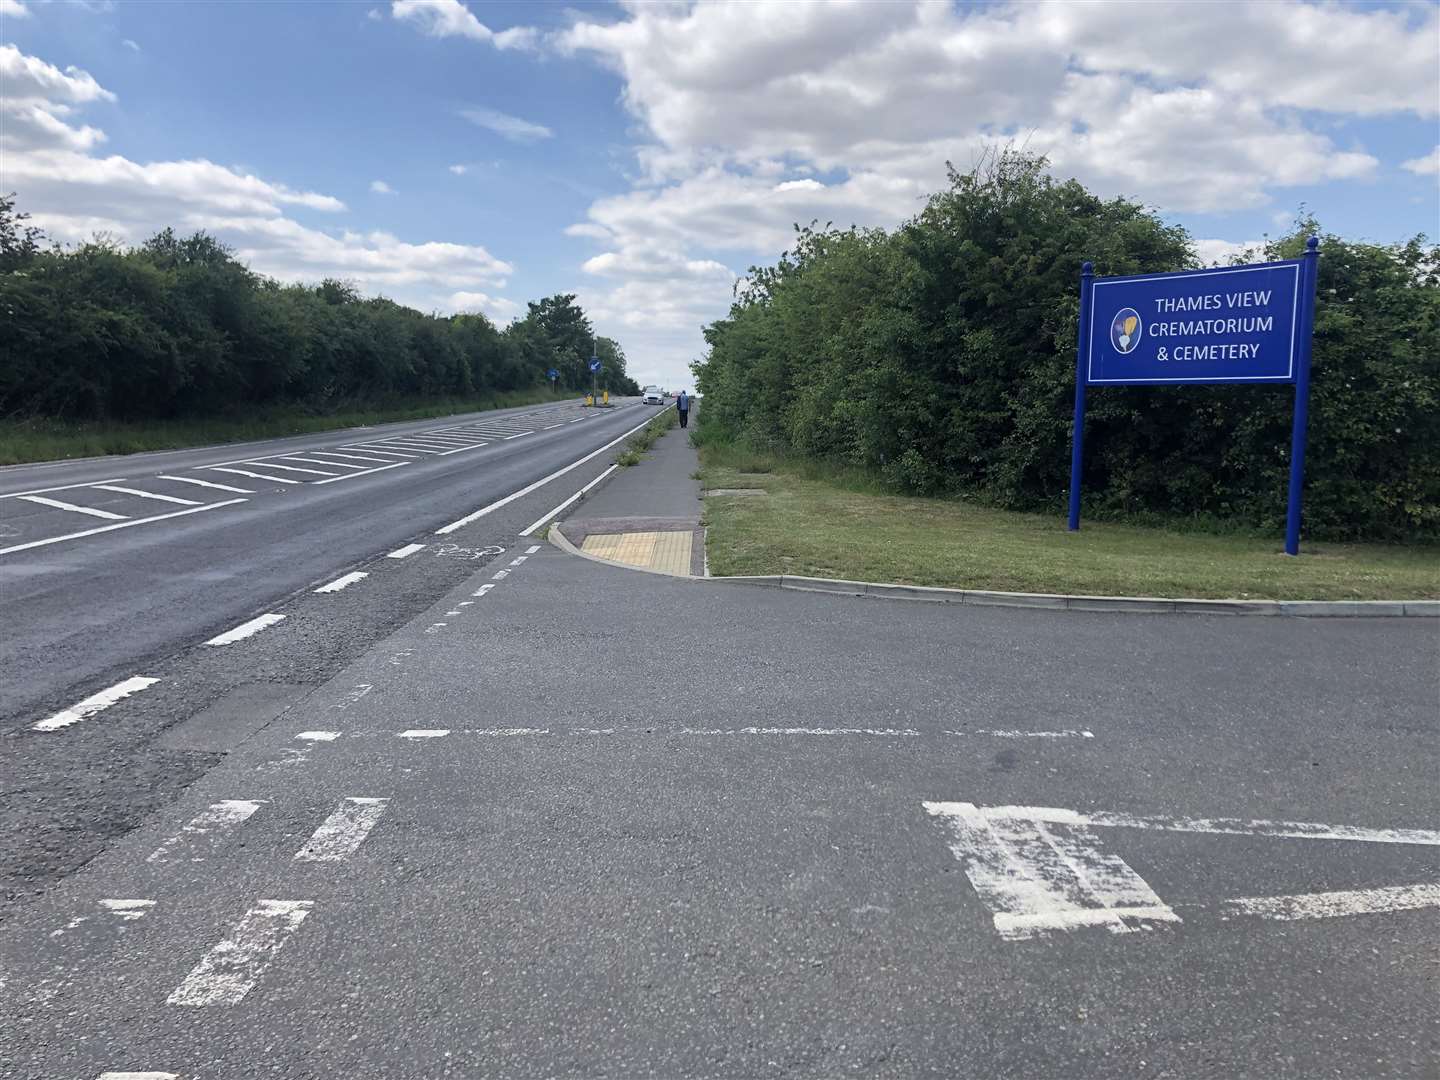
(654, 396)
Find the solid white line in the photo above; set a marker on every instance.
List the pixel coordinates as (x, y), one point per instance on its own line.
(405, 552)
(268, 464)
(1067, 733)
(122, 525)
(318, 736)
(220, 815)
(373, 459)
(1292, 830)
(367, 472)
(508, 499)
(884, 732)
(552, 427)
(518, 435)
(424, 733)
(340, 582)
(149, 495)
(341, 834)
(1328, 905)
(228, 971)
(62, 487)
(529, 529)
(462, 449)
(94, 703)
(252, 475)
(58, 505)
(532, 550)
(207, 484)
(245, 630)
(137, 1076)
(317, 461)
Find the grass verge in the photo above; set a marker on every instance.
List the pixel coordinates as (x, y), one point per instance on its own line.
(645, 438)
(52, 440)
(819, 521)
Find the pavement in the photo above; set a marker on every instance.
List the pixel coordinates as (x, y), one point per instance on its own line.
(571, 820)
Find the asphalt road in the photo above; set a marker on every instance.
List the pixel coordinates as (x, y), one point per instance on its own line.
(575, 821)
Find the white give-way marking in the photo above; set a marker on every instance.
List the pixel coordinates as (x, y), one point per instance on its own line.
(228, 971)
(341, 834)
(94, 703)
(246, 629)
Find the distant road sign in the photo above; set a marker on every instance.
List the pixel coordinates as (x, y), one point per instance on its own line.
(594, 363)
(552, 374)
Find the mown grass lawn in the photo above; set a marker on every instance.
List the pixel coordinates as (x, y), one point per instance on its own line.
(822, 526)
(53, 440)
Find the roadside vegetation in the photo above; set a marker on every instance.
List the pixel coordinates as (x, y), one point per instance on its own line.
(107, 348)
(939, 359)
(822, 519)
(637, 445)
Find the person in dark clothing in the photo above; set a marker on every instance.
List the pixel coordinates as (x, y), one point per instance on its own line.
(682, 406)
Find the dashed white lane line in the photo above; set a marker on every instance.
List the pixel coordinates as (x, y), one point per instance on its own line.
(94, 703)
(341, 834)
(500, 575)
(1329, 905)
(518, 560)
(341, 582)
(1066, 733)
(367, 472)
(881, 732)
(508, 499)
(252, 475)
(228, 971)
(58, 504)
(138, 1076)
(483, 589)
(207, 484)
(425, 733)
(149, 495)
(246, 629)
(62, 487)
(119, 525)
(405, 552)
(532, 550)
(221, 815)
(318, 736)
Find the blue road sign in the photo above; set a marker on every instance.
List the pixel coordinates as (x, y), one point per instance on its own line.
(552, 374)
(1239, 324)
(594, 363)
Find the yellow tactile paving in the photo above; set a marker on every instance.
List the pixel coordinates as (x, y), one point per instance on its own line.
(666, 551)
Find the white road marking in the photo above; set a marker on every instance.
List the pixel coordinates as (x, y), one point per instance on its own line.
(220, 815)
(318, 736)
(507, 732)
(483, 590)
(268, 464)
(573, 498)
(465, 603)
(252, 475)
(207, 484)
(149, 495)
(138, 1076)
(246, 629)
(500, 575)
(58, 505)
(405, 552)
(1067, 733)
(340, 582)
(445, 437)
(508, 499)
(228, 971)
(1327, 905)
(423, 441)
(532, 550)
(883, 732)
(94, 703)
(386, 452)
(552, 427)
(1293, 830)
(373, 459)
(354, 695)
(518, 560)
(462, 449)
(404, 445)
(518, 435)
(1036, 878)
(317, 461)
(367, 472)
(122, 911)
(424, 733)
(341, 834)
(62, 487)
(457, 611)
(121, 525)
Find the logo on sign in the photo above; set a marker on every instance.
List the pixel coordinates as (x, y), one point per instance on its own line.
(1126, 330)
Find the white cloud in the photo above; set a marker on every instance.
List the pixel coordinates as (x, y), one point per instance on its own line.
(1212, 252)
(497, 308)
(374, 15)
(507, 126)
(450, 18)
(459, 170)
(73, 195)
(14, 9)
(1425, 164)
(133, 46)
(380, 187)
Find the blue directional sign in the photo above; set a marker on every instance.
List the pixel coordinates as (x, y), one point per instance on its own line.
(594, 363)
(552, 374)
(1240, 324)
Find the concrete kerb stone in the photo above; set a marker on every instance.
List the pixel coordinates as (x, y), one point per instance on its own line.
(1052, 601)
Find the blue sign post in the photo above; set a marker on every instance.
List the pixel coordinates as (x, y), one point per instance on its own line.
(1239, 324)
(594, 363)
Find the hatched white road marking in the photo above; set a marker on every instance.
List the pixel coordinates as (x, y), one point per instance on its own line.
(149, 495)
(385, 452)
(1328, 905)
(424, 733)
(373, 459)
(230, 970)
(246, 629)
(268, 464)
(207, 484)
(252, 475)
(341, 582)
(94, 703)
(316, 461)
(341, 834)
(221, 815)
(405, 552)
(59, 505)
(120, 525)
(62, 487)
(1037, 878)
(407, 444)
(318, 736)
(367, 472)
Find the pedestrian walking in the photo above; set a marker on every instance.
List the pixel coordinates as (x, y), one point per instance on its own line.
(682, 406)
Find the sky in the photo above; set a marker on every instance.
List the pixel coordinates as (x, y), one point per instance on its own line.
(643, 156)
